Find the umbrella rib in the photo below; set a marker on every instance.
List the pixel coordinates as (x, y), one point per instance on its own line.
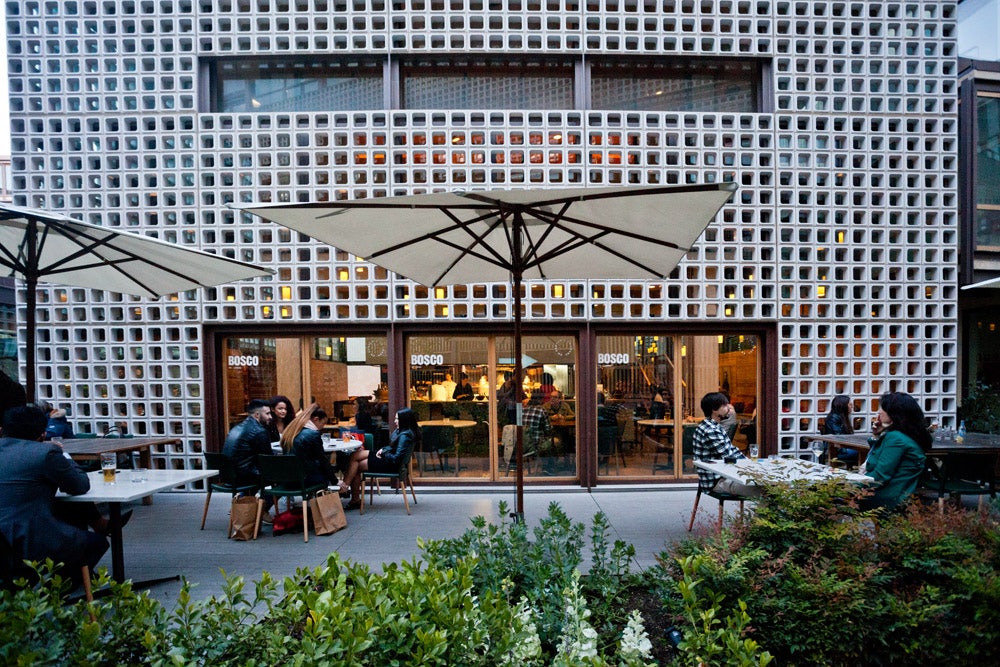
(94, 245)
(491, 256)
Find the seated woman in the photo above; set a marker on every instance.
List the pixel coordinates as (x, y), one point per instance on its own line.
(282, 414)
(404, 439)
(838, 422)
(303, 438)
(898, 441)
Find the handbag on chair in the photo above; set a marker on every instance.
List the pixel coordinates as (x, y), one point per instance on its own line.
(327, 513)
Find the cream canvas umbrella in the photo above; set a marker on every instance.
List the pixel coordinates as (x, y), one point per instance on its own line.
(452, 238)
(38, 246)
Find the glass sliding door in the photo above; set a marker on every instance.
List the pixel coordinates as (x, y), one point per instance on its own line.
(649, 395)
(453, 383)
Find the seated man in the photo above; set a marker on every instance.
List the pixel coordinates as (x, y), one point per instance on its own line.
(537, 432)
(558, 408)
(245, 442)
(712, 443)
(34, 525)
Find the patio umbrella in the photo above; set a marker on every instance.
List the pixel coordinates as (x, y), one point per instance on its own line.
(38, 246)
(514, 235)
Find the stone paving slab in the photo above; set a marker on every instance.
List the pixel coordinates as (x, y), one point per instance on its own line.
(163, 539)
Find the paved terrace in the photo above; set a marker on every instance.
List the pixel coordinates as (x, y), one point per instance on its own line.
(163, 539)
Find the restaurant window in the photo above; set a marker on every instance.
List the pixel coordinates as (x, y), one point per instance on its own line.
(987, 215)
(330, 371)
(486, 84)
(680, 85)
(649, 396)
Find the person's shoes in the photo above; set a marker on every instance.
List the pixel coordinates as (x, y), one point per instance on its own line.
(353, 505)
(265, 517)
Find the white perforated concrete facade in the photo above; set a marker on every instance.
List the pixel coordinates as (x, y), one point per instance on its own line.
(842, 237)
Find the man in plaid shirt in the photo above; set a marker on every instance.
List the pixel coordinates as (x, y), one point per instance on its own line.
(537, 431)
(712, 443)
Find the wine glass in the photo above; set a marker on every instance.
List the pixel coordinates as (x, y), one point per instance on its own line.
(818, 446)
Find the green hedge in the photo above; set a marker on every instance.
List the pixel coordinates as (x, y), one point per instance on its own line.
(806, 579)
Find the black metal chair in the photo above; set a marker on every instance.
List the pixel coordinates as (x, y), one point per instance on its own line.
(12, 569)
(284, 477)
(401, 476)
(961, 474)
(224, 482)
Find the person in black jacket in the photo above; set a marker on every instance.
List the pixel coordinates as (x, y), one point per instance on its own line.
(33, 524)
(839, 422)
(402, 442)
(245, 442)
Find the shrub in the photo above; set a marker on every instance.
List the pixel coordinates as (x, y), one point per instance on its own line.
(824, 583)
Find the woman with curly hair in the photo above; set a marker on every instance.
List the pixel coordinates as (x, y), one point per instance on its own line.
(282, 414)
(899, 441)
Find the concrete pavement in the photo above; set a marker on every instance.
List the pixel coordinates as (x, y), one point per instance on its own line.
(163, 539)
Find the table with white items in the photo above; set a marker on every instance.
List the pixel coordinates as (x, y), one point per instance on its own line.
(130, 486)
(777, 470)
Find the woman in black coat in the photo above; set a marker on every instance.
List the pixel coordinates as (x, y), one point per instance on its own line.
(402, 442)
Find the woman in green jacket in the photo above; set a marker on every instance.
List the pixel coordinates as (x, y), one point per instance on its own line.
(896, 460)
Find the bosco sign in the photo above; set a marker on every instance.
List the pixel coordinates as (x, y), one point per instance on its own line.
(426, 359)
(243, 360)
(611, 358)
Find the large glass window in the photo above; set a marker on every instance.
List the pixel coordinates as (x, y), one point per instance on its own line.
(988, 173)
(447, 84)
(649, 395)
(328, 371)
(683, 85)
(454, 387)
(279, 85)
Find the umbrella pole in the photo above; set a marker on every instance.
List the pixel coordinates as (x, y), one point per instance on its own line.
(30, 302)
(517, 274)
(29, 348)
(518, 380)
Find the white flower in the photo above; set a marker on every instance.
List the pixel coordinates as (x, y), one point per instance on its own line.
(635, 648)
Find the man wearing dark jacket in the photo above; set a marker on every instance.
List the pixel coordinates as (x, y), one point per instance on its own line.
(32, 523)
(245, 442)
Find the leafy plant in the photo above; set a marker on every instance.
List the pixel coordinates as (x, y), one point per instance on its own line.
(981, 409)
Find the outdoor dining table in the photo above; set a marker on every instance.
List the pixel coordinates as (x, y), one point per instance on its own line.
(129, 486)
(90, 449)
(973, 443)
(748, 471)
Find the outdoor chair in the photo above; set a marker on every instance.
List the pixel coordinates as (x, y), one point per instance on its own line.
(284, 477)
(224, 482)
(721, 496)
(961, 474)
(401, 476)
(11, 570)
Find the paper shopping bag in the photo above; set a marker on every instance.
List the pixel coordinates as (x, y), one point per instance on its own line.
(327, 513)
(244, 518)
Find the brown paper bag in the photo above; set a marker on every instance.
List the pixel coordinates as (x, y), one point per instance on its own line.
(244, 518)
(326, 512)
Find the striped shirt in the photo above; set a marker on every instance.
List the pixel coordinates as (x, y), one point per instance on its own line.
(712, 444)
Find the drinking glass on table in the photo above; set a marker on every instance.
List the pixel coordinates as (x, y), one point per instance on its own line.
(109, 466)
(817, 447)
(753, 452)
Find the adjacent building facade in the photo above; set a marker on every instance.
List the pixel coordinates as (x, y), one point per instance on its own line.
(834, 270)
